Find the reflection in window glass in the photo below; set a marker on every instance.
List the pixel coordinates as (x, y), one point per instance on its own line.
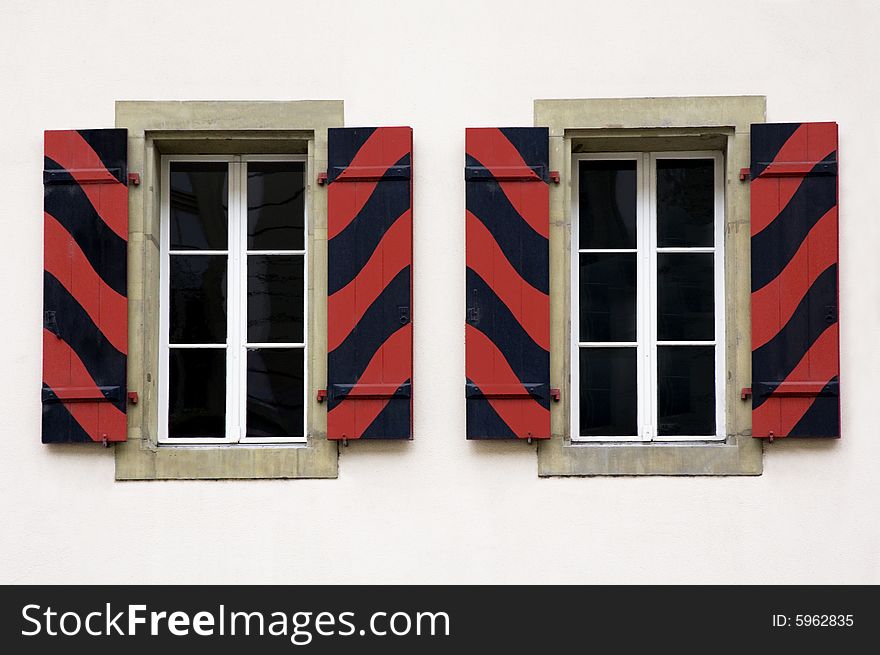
(276, 205)
(607, 204)
(198, 205)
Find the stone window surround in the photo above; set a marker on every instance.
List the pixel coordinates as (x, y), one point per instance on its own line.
(659, 124)
(156, 128)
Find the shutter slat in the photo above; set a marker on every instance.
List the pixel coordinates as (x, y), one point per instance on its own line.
(507, 336)
(85, 336)
(369, 282)
(794, 226)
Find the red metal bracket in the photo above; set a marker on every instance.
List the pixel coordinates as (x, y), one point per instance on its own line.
(134, 178)
(745, 174)
(746, 393)
(133, 397)
(322, 395)
(322, 179)
(556, 395)
(554, 177)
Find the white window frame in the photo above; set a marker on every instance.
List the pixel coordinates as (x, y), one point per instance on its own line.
(646, 312)
(236, 312)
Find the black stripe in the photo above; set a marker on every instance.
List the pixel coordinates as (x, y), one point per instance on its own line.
(774, 246)
(104, 363)
(530, 362)
(767, 140)
(59, 426)
(532, 143)
(349, 360)
(393, 422)
(775, 360)
(111, 146)
(823, 417)
(526, 250)
(483, 422)
(350, 250)
(105, 250)
(343, 143)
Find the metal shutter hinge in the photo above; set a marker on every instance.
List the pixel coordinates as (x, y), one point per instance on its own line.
(744, 174)
(554, 177)
(133, 397)
(322, 395)
(746, 393)
(134, 178)
(322, 179)
(556, 395)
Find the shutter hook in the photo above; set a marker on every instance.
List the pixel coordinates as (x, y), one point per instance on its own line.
(345, 442)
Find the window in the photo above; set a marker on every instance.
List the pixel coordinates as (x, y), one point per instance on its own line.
(661, 395)
(648, 297)
(231, 132)
(233, 291)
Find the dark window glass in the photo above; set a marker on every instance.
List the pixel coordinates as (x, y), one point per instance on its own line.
(275, 392)
(685, 297)
(276, 205)
(607, 204)
(685, 202)
(198, 299)
(608, 297)
(199, 197)
(275, 298)
(608, 399)
(686, 393)
(197, 392)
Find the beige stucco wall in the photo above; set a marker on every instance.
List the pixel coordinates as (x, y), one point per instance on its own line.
(438, 509)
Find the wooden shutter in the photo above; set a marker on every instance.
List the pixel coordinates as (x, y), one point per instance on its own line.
(795, 361)
(369, 283)
(85, 317)
(507, 332)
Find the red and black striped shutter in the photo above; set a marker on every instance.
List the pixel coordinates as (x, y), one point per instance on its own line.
(507, 333)
(795, 361)
(85, 317)
(369, 283)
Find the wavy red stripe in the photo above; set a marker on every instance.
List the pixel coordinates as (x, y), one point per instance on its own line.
(108, 195)
(385, 147)
(774, 303)
(530, 307)
(391, 364)
(64, 259)
(346, 307)
(62, 371)
(485, 365)
(531, 200)
(778, 416)
(811, 142)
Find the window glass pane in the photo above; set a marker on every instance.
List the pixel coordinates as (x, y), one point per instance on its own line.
(199, 197)
(686, 393)
(197, 392)
(608, 297)
(607, 204)
(276, 205)
(608, 392)
(275, 392)
(275, 298)
(198, 299)
(685, 202)
(685, 297)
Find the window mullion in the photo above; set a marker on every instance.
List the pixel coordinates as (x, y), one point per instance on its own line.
(233, 305)
(650, 359)
(241, 348)
(647, 301)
